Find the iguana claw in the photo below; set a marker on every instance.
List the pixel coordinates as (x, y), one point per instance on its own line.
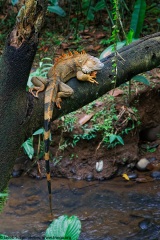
(58, 102)
(31, 91)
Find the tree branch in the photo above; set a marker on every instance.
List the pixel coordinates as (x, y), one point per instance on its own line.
(138, 57)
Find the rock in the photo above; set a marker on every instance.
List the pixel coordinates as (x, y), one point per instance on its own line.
(132, 175)
(89, 177)
(17, 173)
(155, 174)
(142, 164)
(145, 224)
(151, 159)
(73, 170)
(99, 166)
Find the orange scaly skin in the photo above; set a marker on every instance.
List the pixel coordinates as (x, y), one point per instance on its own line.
(80, 65)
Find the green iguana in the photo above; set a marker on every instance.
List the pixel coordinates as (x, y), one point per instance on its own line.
(80, 65)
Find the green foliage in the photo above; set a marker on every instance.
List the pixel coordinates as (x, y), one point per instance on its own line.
(90, 8)
(29, 148)
(135, 29)
(3, 199)
(44, 65)
(129, 37)
(114, 39)
(102, 123)
(64, 228)
(138, 16)
(55, 8)
(14, 2)
(114, 137)
(142, 79)
(6, 237)
(68, 122)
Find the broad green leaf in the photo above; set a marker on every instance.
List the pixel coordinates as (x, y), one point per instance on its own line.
(28, 147)
(138, 16)
(64, 227)
(58, 10)
(39, 131)
(112, 138)
(14, 2)
(141, 79)
(90, 15)
(100, 5)
(119, 138)
(74, 228)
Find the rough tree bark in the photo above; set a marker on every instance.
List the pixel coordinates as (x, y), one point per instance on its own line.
(15, 65)
(21, 114)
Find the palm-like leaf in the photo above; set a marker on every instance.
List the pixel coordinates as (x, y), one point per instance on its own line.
(64, 228)
(138, 16)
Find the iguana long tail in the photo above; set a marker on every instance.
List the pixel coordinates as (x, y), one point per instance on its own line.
(50, 97)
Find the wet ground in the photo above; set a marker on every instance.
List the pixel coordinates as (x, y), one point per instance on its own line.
(108, 210)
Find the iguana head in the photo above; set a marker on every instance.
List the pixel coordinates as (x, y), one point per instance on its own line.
(92, 64)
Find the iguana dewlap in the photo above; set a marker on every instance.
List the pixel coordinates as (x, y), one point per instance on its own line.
(80, 65)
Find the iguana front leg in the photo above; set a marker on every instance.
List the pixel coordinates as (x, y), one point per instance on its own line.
(63, 91)
(87, 77)
(39, 85)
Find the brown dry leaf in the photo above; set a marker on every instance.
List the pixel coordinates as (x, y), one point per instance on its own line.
(85, 118)
(97, 47)
(59, 52)
(71, 38)
(90, 48)
(44, 48)
(65, 45)
(86, 36)
(86, 31)
(100, 35)
(116, 92)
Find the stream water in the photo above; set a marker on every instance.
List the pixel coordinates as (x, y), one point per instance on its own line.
(114, 209)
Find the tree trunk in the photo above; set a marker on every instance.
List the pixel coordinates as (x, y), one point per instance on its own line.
(15, 65)
(21, 114)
